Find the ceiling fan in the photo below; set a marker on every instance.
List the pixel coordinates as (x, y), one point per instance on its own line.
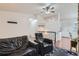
(48, 9)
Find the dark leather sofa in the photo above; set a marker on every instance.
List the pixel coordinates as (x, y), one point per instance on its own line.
(45, 45)
(17, 46)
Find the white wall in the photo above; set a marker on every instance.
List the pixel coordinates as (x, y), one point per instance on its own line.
(24, 26)
(68, 17)
(13, 30)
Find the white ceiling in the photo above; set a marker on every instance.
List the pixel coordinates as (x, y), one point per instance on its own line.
(67, 10)
(22, 8)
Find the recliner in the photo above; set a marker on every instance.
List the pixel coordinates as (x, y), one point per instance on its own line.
(46, 45)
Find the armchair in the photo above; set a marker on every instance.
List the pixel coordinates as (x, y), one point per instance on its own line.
(45, 43)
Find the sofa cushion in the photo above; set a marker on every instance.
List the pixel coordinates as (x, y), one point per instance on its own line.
(12, 45)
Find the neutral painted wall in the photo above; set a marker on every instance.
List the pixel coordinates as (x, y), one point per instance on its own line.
(24, 26)
(69, 16)
(12, 30)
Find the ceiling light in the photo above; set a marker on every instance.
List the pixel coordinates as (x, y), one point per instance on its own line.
(33, 21)
(48, 9)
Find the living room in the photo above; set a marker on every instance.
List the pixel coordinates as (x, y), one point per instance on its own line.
(36, 22)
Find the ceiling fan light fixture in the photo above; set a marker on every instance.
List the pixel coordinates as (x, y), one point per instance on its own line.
(48, 9)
